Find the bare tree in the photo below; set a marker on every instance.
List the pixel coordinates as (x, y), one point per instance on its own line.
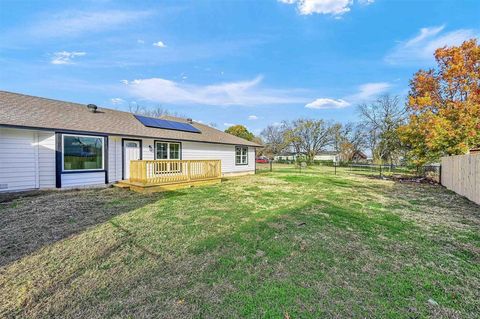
(309, 137)
(156, 111)
(348, 139)
(381, 120)
(274, 140)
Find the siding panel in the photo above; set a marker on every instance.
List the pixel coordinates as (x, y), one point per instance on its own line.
(46, 159)
(83, 179)
(17, 159)
(225, 153)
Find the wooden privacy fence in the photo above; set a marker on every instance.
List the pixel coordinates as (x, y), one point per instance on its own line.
(157, 172)
(461, 174)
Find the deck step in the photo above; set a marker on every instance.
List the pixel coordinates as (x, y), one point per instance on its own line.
(122, 184)
(151, 188)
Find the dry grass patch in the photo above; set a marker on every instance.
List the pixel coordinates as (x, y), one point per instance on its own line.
(309, 244)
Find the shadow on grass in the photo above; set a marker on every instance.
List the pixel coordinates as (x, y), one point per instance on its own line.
(31, 220)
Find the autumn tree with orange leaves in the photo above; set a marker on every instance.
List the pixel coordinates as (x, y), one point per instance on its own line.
(444, 105)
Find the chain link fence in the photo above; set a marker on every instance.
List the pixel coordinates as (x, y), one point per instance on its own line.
(427, 172)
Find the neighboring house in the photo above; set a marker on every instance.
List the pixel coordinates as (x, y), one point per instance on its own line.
(357, 157)
(333, 156)
(327, 156)
(47, 143)
(286, 156)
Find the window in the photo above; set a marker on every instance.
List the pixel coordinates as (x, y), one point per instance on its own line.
(82, 152)
(241, 155)
(164, 150)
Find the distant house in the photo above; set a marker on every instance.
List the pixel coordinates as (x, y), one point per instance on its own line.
(332, 156)
(47, 143)
(328, 156)
(286, 156)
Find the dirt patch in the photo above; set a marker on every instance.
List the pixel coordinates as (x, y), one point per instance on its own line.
(31, 220)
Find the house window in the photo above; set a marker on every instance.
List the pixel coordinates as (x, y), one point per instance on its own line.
(164, 150)
(174, 150)
(241, 155)
(82, 152)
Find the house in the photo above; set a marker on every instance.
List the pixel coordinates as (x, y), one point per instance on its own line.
(48, 143)
(286, 156)
(327, 156)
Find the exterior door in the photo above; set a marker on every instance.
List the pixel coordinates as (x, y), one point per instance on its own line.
(132, 150)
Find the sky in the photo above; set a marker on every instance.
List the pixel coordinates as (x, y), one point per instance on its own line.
(253, 63)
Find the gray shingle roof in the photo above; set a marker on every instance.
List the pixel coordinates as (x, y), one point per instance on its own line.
(21, 110)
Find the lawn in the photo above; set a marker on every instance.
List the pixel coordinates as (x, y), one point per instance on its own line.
(283, 244)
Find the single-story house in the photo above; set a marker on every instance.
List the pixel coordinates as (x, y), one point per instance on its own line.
(286, 156)
(327, 156)
(47, 143)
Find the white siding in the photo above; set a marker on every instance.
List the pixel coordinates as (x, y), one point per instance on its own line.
(17, 159)
(148, 152)
(46, 159)
(225, 153)
(26, 159)
(83, 179)
(114, 158)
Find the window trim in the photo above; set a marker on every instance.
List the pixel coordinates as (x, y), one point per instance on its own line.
(168, 150)
(91, 170)
(241, 147)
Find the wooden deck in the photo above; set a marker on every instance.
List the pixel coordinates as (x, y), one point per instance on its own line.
(163, 175)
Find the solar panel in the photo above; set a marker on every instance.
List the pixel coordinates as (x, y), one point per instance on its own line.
(165, 124)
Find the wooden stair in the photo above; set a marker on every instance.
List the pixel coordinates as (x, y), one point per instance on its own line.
(152, 188)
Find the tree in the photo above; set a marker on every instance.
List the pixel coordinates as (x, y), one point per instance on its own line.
(444, 105)
(274, 137)
(156, 111)
(240, 131)
(348, 140)
(308, 137)
(380, 121)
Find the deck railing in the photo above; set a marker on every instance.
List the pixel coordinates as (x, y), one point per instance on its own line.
(157, 172)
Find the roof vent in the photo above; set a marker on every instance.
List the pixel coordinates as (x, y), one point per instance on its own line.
(190, 121)
(92, 108)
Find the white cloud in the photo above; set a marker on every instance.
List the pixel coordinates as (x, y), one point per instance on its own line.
(159, 44)
(74, 23)
(228, 124)
(140, 41)
(326, 103)
(420, 48)
(65, 57)
(116, 100)
(246, 93)
(366, 2)
(365, 92)
(368, 91)
(124, 82)
(332, 7)
(253, 117)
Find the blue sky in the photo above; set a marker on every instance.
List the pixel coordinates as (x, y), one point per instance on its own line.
(246, 62)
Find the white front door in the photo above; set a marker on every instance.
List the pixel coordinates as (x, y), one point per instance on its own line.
(131, 151)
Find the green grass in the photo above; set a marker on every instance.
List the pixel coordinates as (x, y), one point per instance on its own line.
(273, 245)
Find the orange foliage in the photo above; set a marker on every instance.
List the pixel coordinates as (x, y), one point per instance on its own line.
(444, 105)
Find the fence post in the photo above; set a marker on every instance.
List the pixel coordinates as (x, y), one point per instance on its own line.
(440, 174)
(380, 170)
(271, 166)
(335, 165)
